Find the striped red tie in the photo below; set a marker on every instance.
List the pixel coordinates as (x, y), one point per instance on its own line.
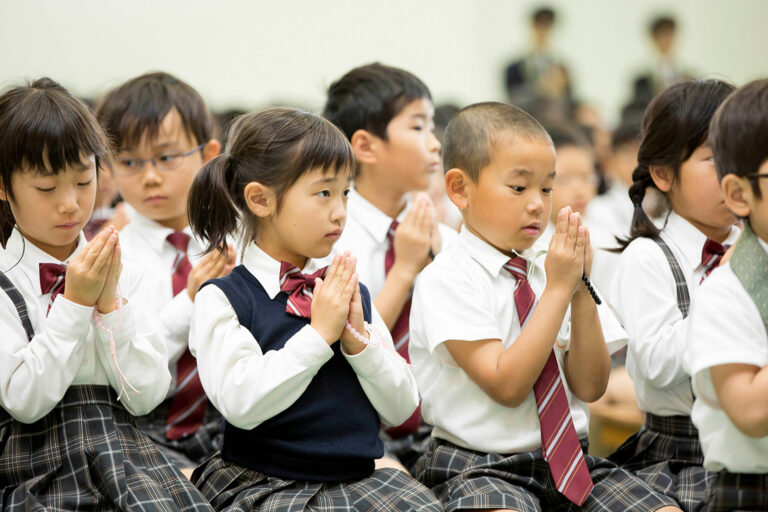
(187, 410)
(52, 281)
(711, 255)
(401, 335)
(299, 288)
(559, 441)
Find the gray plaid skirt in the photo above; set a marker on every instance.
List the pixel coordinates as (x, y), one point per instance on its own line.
(233, 488)
(190, 451)
(738, 491)
(465, 479)
(666, 454)
(88, 454)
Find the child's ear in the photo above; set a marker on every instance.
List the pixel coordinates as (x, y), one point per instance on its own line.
(662, 176)
(456, 184)
(3, 195)
(737, 193)
(260, 199)
(211, 150)
(365, 145)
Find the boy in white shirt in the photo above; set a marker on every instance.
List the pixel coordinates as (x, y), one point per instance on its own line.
(163, 134)
(507, 348)
(388, 117)
(728, 339)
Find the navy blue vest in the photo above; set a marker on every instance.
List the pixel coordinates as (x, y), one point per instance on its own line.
(331, 432)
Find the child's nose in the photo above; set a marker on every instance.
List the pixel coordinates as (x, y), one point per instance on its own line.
(434, 143)
(150, 175)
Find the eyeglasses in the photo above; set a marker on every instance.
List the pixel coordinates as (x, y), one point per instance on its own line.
(165, 161)
(757, 175)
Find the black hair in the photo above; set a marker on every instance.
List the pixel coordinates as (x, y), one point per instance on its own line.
(44, 130)
(369, 97)
(137, 108)
(569, 134)
(543, 16)
(675, 123)
(473, 134)
(662, 23)
(625, 133)
(739, 133)
(273, 147)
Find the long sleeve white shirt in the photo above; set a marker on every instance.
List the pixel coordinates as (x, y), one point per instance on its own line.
(68, 348)
(249, 386)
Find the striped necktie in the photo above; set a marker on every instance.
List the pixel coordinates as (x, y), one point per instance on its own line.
(559, 441)
(401, 335)
(52, 281)
(188, 405)
(299, 288)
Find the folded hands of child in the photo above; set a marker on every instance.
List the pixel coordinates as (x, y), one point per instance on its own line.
(93, 273)
(570, 254)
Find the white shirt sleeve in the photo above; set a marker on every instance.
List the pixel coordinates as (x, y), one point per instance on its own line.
(35, 375)
(139, 352)
(644, 298)
(726, 328)
(385, 377)
(175, 319)
(247, 386)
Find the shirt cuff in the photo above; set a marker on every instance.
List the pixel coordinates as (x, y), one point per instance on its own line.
(309, 348)
(367, 361)
(119, 322)
(69, 318)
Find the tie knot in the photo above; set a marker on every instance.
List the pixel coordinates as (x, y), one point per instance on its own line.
(299, 288)
(711, 253)
(179, 240)
(518, 267)
(51, 277)
(391, 230)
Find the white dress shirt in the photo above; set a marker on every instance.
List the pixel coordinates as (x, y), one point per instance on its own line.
(365, 236)
(465, 294)
(644, 298)
(144, 243)
(248, 386)
(726, 328)
(68, 348)
(609, 215)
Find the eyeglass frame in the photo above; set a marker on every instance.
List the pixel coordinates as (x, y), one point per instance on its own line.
(143, 161)
(757, 175)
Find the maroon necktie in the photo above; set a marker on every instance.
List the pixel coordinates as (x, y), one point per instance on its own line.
(559, 441)
(400, 336)
(52, 281)
(299, 288)
(187, 410)
(711, 255)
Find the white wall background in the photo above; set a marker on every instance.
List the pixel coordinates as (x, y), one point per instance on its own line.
(241, 53)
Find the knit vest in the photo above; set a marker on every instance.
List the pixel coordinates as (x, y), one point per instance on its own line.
(750, 264)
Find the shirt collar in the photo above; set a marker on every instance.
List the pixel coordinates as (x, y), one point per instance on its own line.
(266, 269)
(155, 234)
(20, 251)
(690, 240)
(374, 221)
(490, 257)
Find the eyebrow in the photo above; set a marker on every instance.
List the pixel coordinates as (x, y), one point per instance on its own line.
(323, 181)
(419, 116)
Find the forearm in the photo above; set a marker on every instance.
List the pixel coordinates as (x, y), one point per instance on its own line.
(587, 363)
(519, 366)
(393, 295)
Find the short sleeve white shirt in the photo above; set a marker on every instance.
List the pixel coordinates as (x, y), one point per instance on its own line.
(726, 328)
(465, 294)
(644, 297)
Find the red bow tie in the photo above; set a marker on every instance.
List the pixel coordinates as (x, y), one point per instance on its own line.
(52, 280)
(299, 288)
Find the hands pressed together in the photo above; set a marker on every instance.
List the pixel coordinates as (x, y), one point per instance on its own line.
(570, 253)
(417, 238)
(213, 265)
(93, 273)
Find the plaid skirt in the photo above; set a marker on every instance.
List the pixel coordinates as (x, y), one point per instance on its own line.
(465, 479)
(233, 488)
(666, 453)
(738, 491)
(88, 454)
(191, 450)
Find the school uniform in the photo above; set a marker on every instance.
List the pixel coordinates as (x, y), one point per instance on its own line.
(68, 438)
(729, 325)
(486, 455)
(369, 236)
(302, 417)
(150, 246)
(654, 287)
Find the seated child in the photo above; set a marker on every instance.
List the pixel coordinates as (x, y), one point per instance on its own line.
(292, 352)
(77, 358)
(728, 340)
(507, 348)
(388, 117)
(163, 134)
